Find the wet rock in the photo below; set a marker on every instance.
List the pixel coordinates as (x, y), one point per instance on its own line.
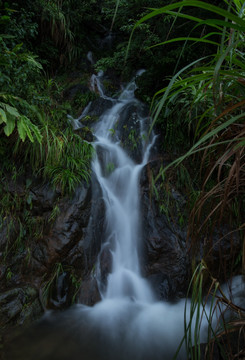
(89, 292)
(88, 121)
(94, 232)
(86, 134)
(40, 258)
(167, 260)
(76, 258)
(105, 266)
(162, 287)
(68, 227)
(111, 83)
(99, 106)
(166, 255)
(19, 305)
(59, 298)
(129, 128)
(43, 198)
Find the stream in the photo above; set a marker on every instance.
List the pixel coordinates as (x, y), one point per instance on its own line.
(129, 323)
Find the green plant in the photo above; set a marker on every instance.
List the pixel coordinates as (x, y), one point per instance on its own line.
(68, 167)
(212, 91)
(62, 157)
(11, 117)
(133, 139)
(110, 167)
(51, 283)
(210, 309)
(52, 280)
(112, 131)
(76, 283)
(9, 274)
(55, 212)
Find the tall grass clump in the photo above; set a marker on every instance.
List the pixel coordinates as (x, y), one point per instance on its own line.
(210, 94)
(204, 101)
(213, 319)
(62, 157)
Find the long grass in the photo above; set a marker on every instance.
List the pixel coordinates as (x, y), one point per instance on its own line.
(210, 318)
(62, 157)
(210, 92)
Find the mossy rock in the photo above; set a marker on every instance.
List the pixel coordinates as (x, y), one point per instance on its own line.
(88, 120)
(86, 134)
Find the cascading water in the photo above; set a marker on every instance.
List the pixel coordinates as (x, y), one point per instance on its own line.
(120, 192)
(128, 323)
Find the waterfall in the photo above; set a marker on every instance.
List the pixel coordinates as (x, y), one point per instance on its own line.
(121, 196)
(128, 323)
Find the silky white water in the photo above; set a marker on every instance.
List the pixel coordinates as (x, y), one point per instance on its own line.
(120, 192)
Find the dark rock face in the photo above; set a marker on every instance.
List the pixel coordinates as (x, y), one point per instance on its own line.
(43, 197)
(99, 106)
(69, 225)
(166, 259)
(89, 292)
(93, 238)
(19, 303)
(51, 267)
(129, 128)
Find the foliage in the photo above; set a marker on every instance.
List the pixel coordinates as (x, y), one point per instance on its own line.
(216, 314)
(62, 157)
(140, 55)
(16, 220)
(28, 102)
(11, 117)
(210, 93)
(50, 285)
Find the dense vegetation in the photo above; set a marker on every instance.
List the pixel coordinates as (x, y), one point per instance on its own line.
(203, 107)
(194, 83)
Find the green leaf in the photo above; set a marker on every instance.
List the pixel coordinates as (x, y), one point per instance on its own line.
(6, 36)
(9, 127)
(196, 147)
(185, 39)
(21, 129)
(168, 89)
(36, 132)
(26, 124)
(235, 21)
(31, 60)
(11, 110)
(194, 3)
(3, 117)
